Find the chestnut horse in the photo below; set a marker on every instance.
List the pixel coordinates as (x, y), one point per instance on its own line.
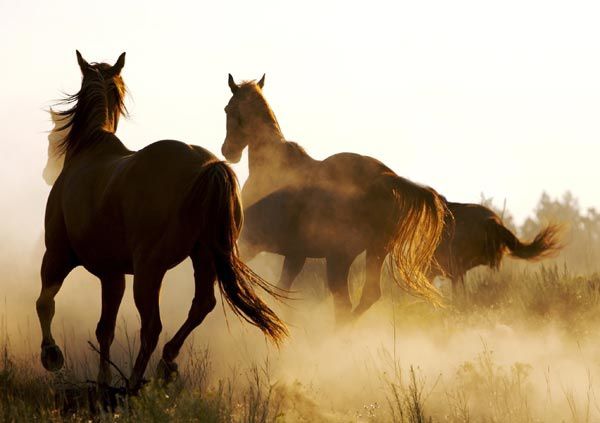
(474, 235)
(117, 212)
(334, 209)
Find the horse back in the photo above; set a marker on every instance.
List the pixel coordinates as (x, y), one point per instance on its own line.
(352, 166)
(119, 206)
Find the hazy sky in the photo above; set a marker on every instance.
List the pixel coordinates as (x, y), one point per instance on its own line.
(466, 96)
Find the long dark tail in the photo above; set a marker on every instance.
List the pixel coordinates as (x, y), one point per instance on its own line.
(546, 243)
(217, 190)
(419, 213)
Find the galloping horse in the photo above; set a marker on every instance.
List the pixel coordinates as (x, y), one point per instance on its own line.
(474, 235)
(300, 207)
(117, 212)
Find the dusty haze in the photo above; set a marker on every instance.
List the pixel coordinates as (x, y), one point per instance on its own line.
(468, 98)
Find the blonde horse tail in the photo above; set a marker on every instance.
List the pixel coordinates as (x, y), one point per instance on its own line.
(419, 213)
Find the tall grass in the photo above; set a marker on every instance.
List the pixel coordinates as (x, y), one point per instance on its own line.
(479, 387)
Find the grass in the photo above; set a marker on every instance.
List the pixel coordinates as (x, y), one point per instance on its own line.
(30, 395)
(478, 384)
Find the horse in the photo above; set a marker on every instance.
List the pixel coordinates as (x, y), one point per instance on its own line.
(474, 235)
(115, 212)
(335, 209)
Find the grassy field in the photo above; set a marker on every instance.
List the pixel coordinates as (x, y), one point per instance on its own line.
(519, 346)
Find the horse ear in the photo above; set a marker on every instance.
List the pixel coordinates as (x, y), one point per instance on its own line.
(118, 66)
(261, 83)
(83, 65)
(232, 85)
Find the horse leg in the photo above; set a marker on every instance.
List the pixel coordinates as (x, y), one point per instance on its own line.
(55, 268)
(292, 265)
(146, 289)
(113, 288)
(458, 285)
(203, 303)
(338, 268)
(247, 251)
(372, 288)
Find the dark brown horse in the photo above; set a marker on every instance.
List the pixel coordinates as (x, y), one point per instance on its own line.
(335, 209)
(117, 212)
(474, 235)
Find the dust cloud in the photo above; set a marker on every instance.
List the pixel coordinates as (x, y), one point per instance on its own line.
(474, 363)
(522, 347)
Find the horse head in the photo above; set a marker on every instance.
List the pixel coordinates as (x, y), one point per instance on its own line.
(97, 106)
(248, 117)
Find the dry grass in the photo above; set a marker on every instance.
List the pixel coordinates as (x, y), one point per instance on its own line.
(473, 387)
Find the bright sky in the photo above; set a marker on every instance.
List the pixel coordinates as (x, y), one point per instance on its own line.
(466, 96)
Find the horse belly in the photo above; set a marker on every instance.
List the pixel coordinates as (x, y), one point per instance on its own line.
(102, 248)
(333, 238)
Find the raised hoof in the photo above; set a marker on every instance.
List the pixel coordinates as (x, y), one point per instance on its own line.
(52, 358)
(167, 371)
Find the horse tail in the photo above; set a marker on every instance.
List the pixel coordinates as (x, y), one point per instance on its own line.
(419, 214)
(545, 243)
(217, 189)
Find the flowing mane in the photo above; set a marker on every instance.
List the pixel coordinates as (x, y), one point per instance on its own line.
(296, 152)
(95, 109)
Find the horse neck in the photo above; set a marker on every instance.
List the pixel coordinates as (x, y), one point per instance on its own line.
(265, 149)
(107, 144)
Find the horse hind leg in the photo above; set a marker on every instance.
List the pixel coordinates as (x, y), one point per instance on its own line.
(146, 290)
(459, 288)
(372, 289)
(203, 303)
(113, 288)
(55, 268)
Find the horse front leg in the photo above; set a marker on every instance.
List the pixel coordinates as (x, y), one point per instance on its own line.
(146, 289)
(55, 268)
(292, 266)
(338, 268)
(113, 288)
(372, 288)
(203, 303)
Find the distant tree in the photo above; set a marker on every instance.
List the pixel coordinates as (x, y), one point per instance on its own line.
(581, 234)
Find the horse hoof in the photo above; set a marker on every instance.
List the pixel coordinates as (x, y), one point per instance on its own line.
(52, 358)
(167, 371)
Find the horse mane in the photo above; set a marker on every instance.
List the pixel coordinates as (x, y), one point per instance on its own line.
(295, 151)
(94, 111)
(253, 94)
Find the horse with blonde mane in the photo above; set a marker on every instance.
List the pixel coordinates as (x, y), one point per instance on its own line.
(335, 209)
(116, 212)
